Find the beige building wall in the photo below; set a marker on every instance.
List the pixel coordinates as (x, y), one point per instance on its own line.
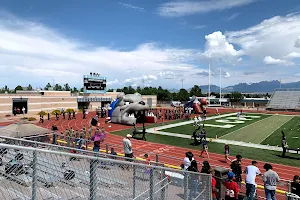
(51, 100)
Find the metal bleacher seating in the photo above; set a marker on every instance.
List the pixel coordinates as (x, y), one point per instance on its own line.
(285, 99)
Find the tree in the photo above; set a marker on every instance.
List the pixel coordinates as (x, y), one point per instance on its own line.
(183, 95)
(29, 87)
(47, 86)
(119, 90)
(110, 90)
(74, 89)
(196, 91)
(19, 87)
(236, 97)
(81, 89)
(58, 87)
(67, 87)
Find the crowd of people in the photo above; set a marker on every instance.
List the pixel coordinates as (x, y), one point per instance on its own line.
(233, 183)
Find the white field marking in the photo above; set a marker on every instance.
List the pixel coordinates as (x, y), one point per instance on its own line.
(275, 130)
(188, 122)
(241, 118)
(220, 126)
(243, 127)
(230, 122)
(275, 114)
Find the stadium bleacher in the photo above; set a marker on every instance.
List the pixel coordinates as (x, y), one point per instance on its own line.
(285, 99)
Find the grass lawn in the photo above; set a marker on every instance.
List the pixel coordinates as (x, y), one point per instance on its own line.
(247, 152)
(213, 131)
(258, 132)
(291, 130)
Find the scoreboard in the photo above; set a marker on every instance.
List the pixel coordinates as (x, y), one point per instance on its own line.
(94, 84)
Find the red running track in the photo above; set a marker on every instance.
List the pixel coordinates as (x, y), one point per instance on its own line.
(167, 154)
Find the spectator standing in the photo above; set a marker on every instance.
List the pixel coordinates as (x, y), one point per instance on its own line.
(42, 119)
(64, 113)
(69, 115)
(213, 184)
(90, 132)
(127, 149)
(295, 186)
(23, 110)
(189, 157)
(84, 113)
(236, 167)
(251, 172)
(232, 188)
(56, 115)
(193, 180)
(205, 167)
(283, 144)
(74, 114)
(15, 111)
(270, 179)
(48, 116)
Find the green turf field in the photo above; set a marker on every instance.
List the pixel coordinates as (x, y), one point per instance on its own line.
(259, 131)
(213, 131)
(292, 132)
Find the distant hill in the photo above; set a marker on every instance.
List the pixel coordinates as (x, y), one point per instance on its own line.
(263, 86)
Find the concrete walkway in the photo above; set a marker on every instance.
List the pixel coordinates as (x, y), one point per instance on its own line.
(156, 130)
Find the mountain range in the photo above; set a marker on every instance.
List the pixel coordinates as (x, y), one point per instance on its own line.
(260, 87)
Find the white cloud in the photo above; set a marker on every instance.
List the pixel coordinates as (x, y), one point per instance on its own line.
(132, 7)
(297, 43)
(293, 55)
(182, 8)
(218, 48)
(114, 82)
(28, 48)
(227, 75)
(268, 60)
(273, 37)
(233, 16)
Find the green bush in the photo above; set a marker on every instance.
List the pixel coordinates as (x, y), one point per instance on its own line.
(56, 111)
(31, 119)
(24, 118)
(42, 113)
(69, 110)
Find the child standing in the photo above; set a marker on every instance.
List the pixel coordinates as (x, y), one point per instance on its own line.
(227, 153)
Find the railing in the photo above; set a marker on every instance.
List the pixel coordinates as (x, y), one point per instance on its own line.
(32, 173)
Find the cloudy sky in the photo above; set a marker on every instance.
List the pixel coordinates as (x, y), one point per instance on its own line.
(157, 42)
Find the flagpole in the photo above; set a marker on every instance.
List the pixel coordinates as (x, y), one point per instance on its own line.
(208, 83)
(220, 85)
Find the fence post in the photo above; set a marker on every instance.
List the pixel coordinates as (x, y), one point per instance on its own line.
(134, 182)
(93, 179)
(163, 184)
(34, 172)
(106, 148)
(151, 189)
(156, 159)
(185, 186)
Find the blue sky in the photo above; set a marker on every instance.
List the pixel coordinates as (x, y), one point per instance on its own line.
(157, 41)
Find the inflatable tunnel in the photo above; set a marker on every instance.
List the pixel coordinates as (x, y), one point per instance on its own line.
(112, 107)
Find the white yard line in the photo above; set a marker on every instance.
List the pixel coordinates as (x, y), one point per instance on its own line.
(275, 130)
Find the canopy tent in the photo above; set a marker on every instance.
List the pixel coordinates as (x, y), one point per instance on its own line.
(21, 130)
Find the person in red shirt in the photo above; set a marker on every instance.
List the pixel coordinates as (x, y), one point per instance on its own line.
(232, 188)
(213, 184)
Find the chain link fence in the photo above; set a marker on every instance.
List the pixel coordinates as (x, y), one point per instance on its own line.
(29, 171)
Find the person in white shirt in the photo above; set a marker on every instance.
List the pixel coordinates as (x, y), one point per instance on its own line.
(251, 172)
(23, 110)
(189, 157)
(127, 149)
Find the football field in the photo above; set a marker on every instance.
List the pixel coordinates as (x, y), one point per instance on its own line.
(251, 128)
